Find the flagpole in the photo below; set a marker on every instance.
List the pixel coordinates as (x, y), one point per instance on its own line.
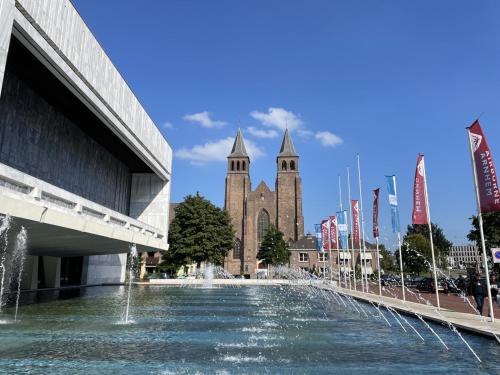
(481, 231)
(353, 260)
(338, 246)
(401, 266)
(430, 235)
(378, 268)
(330, 250)
(362, 225)
(338, 243)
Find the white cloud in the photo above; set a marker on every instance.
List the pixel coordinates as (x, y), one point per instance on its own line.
(203, 118)
(304, 133)
(328, 139)
(271, 133)
(216, 151)
(167, 125)
(278, 118)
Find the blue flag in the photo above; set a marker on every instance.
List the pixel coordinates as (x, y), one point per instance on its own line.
(393, 202)
(342, 228)
(319, 242)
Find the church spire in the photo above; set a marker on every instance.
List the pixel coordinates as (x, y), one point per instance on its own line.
(238, 149)
(287, 148)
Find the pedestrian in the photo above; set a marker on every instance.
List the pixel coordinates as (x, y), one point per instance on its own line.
(494, 289)
(479, 292)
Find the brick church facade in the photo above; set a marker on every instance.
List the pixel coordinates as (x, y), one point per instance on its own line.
(253, 211)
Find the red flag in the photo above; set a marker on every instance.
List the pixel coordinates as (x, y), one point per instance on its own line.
(419, 215)
(355, 223)
(324, 235)
(487, 182)
(333, 232)
(375, 212)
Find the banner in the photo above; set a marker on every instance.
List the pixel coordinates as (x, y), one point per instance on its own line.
(325, 234)
(342, 229)
(419, 215)
(487, 182)
(393, 202)
(376, 193)
(317, 229)
(355, 223)
(333, 233)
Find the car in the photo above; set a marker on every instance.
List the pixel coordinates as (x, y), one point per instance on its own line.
(427, 285)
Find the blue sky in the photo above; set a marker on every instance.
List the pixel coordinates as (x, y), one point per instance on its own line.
(385, 79)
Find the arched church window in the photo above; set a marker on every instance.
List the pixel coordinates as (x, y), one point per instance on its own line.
(232, 165)
(237, 249)
(262, 225)
(283, 165)
(244, 165)
(292, 165)
(238, 165)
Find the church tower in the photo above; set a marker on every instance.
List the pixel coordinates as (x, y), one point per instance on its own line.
(289, 218)
(236, 192)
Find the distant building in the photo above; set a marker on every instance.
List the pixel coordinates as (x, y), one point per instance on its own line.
(464, 256)
(305, 256)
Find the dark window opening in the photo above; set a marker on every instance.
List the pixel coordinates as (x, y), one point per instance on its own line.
(238, 165)
(237, 249)
(262, 225)
(283, 165)
(292, 165)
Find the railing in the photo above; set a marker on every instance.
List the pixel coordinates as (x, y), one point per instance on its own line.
(18, 183)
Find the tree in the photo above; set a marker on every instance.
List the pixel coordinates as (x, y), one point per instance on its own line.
(387, 260)
(441, 244)
(491, 228)
(416, 251)
(199, 232)
(274, 249)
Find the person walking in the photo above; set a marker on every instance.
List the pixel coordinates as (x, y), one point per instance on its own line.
(494, 289)
(479, 292)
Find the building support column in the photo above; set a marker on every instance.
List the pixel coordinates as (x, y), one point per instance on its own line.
(52, 272)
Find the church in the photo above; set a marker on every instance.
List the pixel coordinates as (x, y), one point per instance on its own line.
(252, 211)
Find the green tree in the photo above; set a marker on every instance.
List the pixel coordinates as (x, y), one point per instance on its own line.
(416, 251)
(387, 260)
(442, 245)
(273, 249)
(491, 228)
(199, 232)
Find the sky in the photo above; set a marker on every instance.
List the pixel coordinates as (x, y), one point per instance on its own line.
(385, 79)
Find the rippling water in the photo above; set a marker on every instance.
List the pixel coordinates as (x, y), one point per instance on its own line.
(250, 330)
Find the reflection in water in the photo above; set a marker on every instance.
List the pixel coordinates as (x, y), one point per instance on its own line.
(262, 330)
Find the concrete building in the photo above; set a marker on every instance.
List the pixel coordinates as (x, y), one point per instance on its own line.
(253, 211)
(464, 256)
(82, 166)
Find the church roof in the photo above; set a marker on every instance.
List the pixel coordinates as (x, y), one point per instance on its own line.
(238, 149)
(287, 148)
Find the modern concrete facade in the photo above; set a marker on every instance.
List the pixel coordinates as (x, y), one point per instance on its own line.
(82, 165)
(464, 256)
(252, 212)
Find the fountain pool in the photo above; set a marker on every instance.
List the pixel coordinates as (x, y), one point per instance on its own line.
(251, 330)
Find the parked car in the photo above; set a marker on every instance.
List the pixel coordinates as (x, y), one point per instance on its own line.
(427, 285)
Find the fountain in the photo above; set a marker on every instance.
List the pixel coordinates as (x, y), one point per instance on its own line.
(4, 229)
(132, 273)
(18, 258)
(208, 276)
